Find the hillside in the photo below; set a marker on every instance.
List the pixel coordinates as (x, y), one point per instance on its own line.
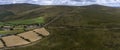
(91, 27)
(18, 8)
(18, 12)
(28, 11)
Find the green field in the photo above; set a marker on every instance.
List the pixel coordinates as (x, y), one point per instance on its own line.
(39, 20)
(28, 21)
(11, 32)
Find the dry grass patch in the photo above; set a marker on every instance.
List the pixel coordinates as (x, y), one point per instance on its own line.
(42, 31)
(32, 36)
(14, 41)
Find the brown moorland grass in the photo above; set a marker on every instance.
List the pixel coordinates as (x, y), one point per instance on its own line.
(14, 41)
(42, 31)
(32, 36)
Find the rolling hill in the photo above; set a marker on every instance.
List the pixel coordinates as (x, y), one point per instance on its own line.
(92, 27)
(21, 12)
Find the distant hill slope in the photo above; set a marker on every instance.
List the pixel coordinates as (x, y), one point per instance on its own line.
(92, 13)
(18, 8)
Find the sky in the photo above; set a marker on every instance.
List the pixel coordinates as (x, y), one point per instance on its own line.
(112, 3)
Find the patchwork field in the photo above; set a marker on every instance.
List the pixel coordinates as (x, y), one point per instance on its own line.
(32, 36)
(22, 39)
(42, 31)
(14, 41)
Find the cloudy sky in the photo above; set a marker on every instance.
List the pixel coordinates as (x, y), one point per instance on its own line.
(65, 2)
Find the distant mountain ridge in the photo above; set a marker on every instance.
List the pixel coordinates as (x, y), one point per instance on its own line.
(111, 3)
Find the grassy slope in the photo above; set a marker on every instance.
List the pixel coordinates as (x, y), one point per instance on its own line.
(28, 21)
(18, 8)
(11, 32)
(71, 37)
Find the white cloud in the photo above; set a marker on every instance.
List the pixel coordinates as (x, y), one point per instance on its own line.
(35, 0)
(64, 2)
